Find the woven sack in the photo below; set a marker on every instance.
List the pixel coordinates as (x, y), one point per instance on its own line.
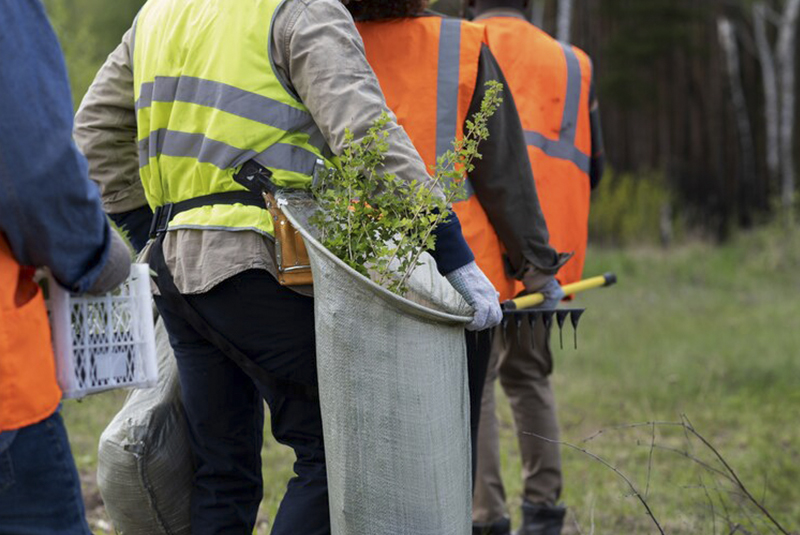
(394, 397)
(144, 469)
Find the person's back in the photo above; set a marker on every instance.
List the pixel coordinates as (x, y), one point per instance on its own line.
(551, 83)
(428, 70)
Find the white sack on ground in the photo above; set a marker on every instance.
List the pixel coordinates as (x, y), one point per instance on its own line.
(144, 466)
(394, 398)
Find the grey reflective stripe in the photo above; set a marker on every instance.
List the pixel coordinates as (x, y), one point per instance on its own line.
(561, 149)
(572, 100)
(221, 155)
(447, 84)
(564, 148)
(448, 79)
(289, 158)
(226, 98)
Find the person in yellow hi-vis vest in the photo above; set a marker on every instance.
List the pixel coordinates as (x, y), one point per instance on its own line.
(197, 91)
(552, 84)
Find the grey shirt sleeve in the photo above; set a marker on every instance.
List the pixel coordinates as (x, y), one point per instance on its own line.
(105, 131)
(319, 53)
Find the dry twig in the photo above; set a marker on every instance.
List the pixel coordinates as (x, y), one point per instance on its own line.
(611, 467)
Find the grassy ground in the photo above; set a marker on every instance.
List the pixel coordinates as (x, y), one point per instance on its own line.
(709, 332)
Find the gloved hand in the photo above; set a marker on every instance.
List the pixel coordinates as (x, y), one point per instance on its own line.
(479, 292)
(537, 282)
(117, 266)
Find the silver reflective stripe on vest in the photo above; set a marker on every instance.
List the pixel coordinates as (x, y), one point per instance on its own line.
(564, 148)
(229, 99)
(561, 149)
(572, 100)
(448, 79)
(205, 150)
(447, 84)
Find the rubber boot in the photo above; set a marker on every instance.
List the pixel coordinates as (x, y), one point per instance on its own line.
(538, 519)
(501, 527)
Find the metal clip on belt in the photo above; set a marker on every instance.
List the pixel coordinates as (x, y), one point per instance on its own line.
(161, 218)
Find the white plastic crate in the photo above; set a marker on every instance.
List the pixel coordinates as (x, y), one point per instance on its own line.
(104, 342)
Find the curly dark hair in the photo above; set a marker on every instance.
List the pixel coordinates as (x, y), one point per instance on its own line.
(384, 9)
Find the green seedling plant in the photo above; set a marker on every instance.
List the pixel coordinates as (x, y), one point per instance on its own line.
(380, 224)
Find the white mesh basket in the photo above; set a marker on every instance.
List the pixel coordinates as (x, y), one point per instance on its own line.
(104, 342)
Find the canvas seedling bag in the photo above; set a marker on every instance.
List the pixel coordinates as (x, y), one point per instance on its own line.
(394, 398)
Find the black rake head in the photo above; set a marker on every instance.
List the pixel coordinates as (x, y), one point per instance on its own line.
(519, 323)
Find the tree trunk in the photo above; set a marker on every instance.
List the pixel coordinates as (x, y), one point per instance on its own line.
(564, 25)
(537, 13)
(727, 39)
(786, 63)
(770, 82)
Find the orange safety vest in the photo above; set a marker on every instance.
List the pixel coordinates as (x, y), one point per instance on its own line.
(551, 83)
(29, 392)
(428, 68)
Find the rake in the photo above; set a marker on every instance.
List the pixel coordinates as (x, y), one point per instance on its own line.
(517, 311)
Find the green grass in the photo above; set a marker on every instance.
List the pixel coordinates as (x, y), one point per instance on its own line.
(702, 331)
(710, 332)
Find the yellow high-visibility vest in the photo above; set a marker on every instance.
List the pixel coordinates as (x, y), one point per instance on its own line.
(208, 99)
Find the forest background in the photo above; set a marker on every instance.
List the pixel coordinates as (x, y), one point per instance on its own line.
(693, 96)
(696, 214)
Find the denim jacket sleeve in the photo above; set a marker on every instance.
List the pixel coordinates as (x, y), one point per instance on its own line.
(49, 211)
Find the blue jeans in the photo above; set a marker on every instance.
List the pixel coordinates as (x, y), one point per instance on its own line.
(40, 492)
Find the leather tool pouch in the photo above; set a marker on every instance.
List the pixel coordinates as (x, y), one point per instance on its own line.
(294, 267)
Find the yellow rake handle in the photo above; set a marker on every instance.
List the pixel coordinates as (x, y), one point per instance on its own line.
(532, 300)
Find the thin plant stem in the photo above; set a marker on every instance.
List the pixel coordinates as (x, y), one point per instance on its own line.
(610, 466)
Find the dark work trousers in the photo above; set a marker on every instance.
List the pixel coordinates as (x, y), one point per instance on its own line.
(274, 327)
(479, 349)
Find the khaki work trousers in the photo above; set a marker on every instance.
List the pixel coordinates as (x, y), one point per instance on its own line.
(524, 369)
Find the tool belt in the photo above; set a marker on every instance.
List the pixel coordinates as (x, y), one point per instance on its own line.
(293, 266)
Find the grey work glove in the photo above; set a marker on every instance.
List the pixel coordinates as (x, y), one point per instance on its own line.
(479, 292)
(117, 266)
(537, 282)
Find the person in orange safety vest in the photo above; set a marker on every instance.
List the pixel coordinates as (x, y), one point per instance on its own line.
(432, 71)
(552, 84)
(50, 215)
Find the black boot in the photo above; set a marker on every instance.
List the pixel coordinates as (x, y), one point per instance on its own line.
(538, 519)
(501, 527)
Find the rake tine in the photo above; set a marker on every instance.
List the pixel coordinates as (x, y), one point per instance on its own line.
(547, 323)
(532, 317)
(575, 317)
(547, 318)
(490, 336)
(561, 317)
(505, 329)
(518, 321)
